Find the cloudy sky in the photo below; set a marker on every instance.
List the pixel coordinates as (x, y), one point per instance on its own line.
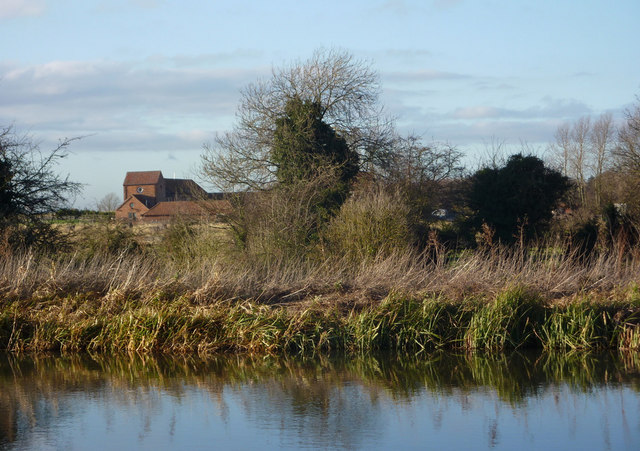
(147, 82)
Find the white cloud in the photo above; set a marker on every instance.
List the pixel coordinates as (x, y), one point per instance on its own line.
(18, 8)
(122, 105)
(472, 125)
(476, 112)
(547, 109)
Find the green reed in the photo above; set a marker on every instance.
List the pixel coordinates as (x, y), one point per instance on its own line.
(512, 319)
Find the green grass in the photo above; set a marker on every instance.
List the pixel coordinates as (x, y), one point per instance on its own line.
(208, 298)
(513, 319)
(507, 322)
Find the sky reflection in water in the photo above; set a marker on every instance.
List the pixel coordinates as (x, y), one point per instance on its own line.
(440, 401)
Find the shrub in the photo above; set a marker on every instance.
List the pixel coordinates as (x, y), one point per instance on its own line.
(516, 200)
(371, 223)
(185, 241)
(177, 241)
(284, 222)
(107, 239)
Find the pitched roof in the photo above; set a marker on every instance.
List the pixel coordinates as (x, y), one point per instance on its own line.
(188, 208)
(142, 178)
(184, 188)
(143, 200)
(184, 207)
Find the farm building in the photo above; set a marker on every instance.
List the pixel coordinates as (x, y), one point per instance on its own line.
(149, 197)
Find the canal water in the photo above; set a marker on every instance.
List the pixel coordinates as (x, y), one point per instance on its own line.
(435, 401)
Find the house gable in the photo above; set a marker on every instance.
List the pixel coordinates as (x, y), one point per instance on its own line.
(133, 208)
(146, 183)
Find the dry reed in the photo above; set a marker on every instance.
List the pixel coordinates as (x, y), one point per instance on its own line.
(491, 299)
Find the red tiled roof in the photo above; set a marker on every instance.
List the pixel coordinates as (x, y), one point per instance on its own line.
(142, 178)
(188, 208)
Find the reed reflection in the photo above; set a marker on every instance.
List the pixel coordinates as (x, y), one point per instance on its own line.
(328, 400)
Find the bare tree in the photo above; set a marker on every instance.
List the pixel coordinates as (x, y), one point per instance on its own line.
(426, 175)
(30, 187)
(579, 157)
(346, 90)
(419, 163)
(108, 203)
(627, 151)
(570, 153)
(562, 148)
(583, 150)
(601, 140)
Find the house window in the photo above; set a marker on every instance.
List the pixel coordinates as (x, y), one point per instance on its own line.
(132, 216)
(131, 205)
(140, 189)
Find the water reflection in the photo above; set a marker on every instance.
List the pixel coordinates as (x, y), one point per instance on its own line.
(532, 401)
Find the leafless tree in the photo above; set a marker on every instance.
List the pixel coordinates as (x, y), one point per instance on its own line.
(627, 151)
(347, 89)
(601, 141)
(579, 156)
(427, 175)
(30, 187)
(582, 150)
(108, 203)
(562, 148)
(416, 162)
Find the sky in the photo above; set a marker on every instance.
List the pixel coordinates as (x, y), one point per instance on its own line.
(147, 83)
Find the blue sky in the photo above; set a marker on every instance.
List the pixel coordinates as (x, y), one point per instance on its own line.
(147, 82)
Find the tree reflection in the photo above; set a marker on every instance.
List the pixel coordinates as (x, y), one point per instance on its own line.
(332, 400)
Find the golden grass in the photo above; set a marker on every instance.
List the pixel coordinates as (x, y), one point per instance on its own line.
(555, 278)
(492, 300)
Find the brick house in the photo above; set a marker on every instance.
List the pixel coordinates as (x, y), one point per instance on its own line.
(149, 197)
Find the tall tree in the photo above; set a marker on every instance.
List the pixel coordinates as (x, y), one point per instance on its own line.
(343, 92)
(601, 139)
(583, 151)
(627, 151)
(426, 175)
(304, 143)
(306, 148)
(626, 155)
(562, 148)
(579, 156)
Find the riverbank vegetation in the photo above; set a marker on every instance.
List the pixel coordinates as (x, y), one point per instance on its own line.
(343, 236)
(405, 302)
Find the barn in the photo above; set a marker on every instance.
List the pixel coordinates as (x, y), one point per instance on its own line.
(149, 197)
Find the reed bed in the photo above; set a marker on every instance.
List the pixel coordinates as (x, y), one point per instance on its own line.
(490, 300)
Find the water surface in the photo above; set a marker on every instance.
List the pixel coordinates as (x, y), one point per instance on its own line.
(437, 401)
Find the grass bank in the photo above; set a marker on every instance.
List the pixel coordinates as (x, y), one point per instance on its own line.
(405, 302)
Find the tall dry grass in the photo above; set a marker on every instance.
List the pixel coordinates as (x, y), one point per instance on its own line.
(552, 273)
(491, 299)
